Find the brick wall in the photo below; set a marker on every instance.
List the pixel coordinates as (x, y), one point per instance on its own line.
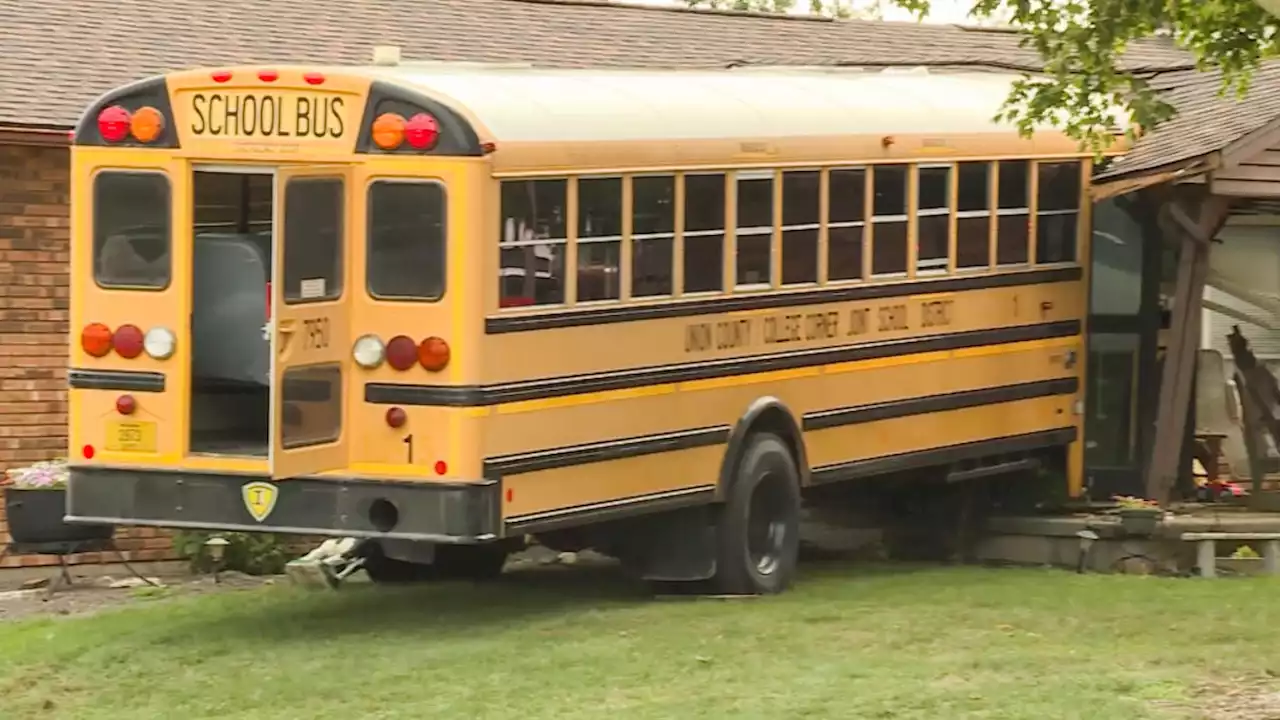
(34, 256)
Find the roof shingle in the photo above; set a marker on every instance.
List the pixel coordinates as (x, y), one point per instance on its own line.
(57, 60)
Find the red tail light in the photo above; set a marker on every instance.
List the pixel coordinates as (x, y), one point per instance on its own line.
(113, 123)
(402, 352)
(421, 131)
(95, 339)
(433, 354)
(128, 341)
(396, 417)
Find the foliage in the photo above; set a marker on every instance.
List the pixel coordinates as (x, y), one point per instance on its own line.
(829, 8)
(1083, 89)
(249, 553)
(1129, 502)
(51, 475)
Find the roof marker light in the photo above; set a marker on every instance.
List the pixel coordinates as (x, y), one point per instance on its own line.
(268, 75)
(220, 76)
(313, 78)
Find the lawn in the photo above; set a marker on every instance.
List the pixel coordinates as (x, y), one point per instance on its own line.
(848, 642)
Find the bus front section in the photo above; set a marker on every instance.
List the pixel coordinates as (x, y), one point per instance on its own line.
(265, 314)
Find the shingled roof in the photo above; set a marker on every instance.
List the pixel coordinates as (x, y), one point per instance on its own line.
(56, 61)
(1207, 121)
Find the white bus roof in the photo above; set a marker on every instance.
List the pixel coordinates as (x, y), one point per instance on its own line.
(526, 104)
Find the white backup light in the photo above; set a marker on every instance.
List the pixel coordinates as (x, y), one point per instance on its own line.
(369, 352)
(159, 343)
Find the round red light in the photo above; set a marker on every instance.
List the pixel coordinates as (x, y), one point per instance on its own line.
(396, 417)
(421, 131)
(441, 467)
(313, 78)
(128, 341)
(125, 404)
(402, 352)
(220, 76)
(268, 75)
(113, 123)
(87, 451)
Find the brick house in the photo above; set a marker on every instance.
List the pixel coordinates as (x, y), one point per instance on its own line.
(57, 61)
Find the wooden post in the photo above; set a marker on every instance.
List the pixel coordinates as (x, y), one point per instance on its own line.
(1207, 558)
(1180, 357)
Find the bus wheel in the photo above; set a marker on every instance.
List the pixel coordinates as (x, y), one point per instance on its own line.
(389, 571)
(470, 562)
(759, 533)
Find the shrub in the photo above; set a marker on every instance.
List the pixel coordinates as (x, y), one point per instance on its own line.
(249, 553)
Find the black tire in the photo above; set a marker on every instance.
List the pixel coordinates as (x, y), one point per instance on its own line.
(389, 571)
(759, 528)
(470, 562)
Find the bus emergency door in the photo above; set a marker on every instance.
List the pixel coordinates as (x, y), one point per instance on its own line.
(310, 322)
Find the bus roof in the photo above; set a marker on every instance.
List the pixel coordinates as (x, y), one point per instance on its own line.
(527, 104)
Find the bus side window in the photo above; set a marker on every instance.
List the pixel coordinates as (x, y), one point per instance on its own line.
(406, 243)
(889, 220)
(933, 218)
(131, 229)
(846, 211)
(704, 199)
(532, 242)
(653, 224)
(973, 215)
(1057, 206)
(1013, 195)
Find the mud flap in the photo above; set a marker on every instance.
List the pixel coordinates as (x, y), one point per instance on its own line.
(676, 546)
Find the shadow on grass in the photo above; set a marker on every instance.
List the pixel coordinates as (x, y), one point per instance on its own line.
(288, 614)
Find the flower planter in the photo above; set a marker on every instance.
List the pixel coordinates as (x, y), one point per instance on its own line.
(35, 517)
(1140, 521)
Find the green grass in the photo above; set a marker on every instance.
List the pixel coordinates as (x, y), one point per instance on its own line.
(848, 642)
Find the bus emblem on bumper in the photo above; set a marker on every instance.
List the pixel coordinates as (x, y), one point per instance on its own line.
(259, 499)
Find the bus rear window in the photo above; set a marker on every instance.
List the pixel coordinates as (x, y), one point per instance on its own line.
(406, 255)
(131, 229)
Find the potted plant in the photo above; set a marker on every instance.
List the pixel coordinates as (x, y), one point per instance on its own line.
(35, 499)
(1138, 516)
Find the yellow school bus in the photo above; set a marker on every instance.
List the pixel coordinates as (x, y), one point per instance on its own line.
(445, 307)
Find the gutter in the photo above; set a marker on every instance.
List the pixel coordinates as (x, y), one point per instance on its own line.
(35, 136)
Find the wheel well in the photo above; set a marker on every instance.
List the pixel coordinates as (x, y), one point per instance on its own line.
(768, 415)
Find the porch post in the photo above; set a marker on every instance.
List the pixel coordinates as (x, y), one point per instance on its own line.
(1180, 357)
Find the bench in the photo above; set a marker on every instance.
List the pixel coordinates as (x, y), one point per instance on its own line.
(1207, 553)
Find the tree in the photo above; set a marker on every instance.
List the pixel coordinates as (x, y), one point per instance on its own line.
(1081, 42)
(867, 9)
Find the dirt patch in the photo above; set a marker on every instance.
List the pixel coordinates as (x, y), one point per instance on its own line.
(1253, 698)
(97, 593)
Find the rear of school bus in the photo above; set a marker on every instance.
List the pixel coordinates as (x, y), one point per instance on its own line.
(254, 251)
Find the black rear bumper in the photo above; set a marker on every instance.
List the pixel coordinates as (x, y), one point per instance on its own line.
(454, 513)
